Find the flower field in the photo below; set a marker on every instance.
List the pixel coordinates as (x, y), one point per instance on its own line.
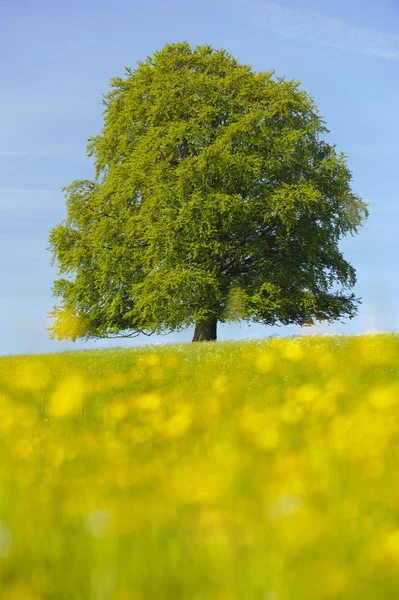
(246, 470)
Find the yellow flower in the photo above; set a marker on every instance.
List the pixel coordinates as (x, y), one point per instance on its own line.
(111, 381)
(149, 401)
(259, 427)
(98, 522)
(291, 412)
(157, 373)
(307, 393)
(292, 351)
(271, 394)
(32, 376)
(390, 546)
(336, 386)
(269, 438)
(220, 384)
(299, 527)
(383, 396)
(67, 398)
(246, 355)
(265, 362)
(178, 424)
(172, 361)
(118, 410)
(24, 449)
(19, 591)
(372, 349)
(152, 359)
(325, 360)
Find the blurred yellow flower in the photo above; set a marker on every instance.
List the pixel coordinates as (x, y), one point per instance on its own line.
(195, 482)
(118, 410)
(32, 376)
(324, 360)
(272, 393)
(372, 349)
(152, 359)
(5, 540)
(98, 522)
(209, 408)
(19, 591)
(291, 412)
(297, 469)
(220, 384)
(67, 398)
(265, 362)
(292, 351)
(171, 361)
(247, 355)
(58, 455)
(127, 595)
(336, 386)
(259, 427)
(307, 393)
(157, 373)
(148, 401)
(383, 396)
(299, 527)
(110, 381)
(24, 448)
(178, 424)
(391, 546)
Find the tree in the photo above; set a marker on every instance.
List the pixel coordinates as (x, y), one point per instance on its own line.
(214, 199)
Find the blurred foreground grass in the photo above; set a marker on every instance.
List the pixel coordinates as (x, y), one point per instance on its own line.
(228, 471)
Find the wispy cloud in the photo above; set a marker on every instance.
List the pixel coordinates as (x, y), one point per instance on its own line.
(383, 207)
(25, 153)
(55, 150)
(324, 30)
(391, 148)
(378, 232)
(17, 202)
(26, 191)
(65, 43)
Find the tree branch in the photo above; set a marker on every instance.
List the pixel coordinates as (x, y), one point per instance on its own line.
(103, 214)
(137, 333)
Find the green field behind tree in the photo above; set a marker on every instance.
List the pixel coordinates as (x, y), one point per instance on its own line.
(260, 469)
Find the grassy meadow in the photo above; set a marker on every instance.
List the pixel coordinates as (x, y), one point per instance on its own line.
(246, 470)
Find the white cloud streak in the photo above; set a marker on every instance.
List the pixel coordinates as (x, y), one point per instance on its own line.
(76, 43)
(380, 208)
(313, 27)
(55, 150)
(26, 191)
(378, 232)
(390, 148)
(16, 202)
(23, 153)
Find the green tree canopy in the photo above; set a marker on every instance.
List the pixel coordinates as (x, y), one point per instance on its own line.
(214, 199)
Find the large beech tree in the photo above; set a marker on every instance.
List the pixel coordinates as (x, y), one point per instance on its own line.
(214, 199)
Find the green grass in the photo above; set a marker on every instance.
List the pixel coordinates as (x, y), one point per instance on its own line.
(231, 470)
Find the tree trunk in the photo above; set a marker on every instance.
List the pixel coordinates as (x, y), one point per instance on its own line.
(205, 331)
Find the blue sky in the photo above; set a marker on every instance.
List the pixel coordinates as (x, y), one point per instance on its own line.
(56, 61)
